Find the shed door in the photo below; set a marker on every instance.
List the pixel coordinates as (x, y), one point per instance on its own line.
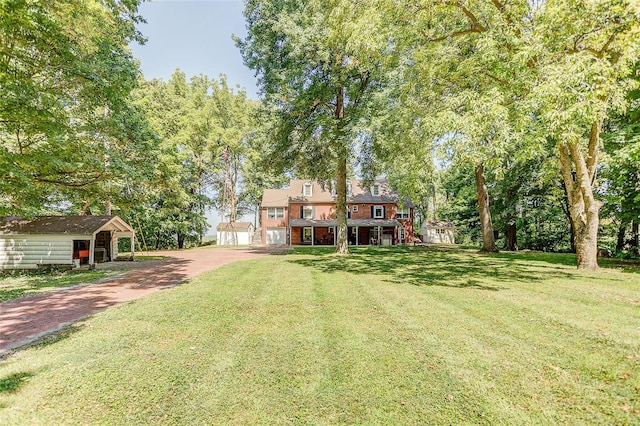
(276, 235)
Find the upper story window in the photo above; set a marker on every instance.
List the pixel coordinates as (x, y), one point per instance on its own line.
(378, 212)
(307, 189)
(355, 208)
(275, 213)
(307, 212)
(375, 189)
(403, 213)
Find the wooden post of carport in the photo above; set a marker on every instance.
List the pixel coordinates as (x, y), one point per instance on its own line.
(92, 250)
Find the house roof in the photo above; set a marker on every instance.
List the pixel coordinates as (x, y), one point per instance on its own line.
(69, 225)
(359, 194)
(234, 226)
(275, 198)
(438, 224)
(350, 222)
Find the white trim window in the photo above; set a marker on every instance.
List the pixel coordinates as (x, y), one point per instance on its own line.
(354, 208)
(307, 235)
(378, 212)
(275, 212)
(375, 189)
(307, 212)
(307, 189)
(402, 235)
(403, 213)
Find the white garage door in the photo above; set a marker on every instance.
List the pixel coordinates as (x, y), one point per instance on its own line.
(276, 235)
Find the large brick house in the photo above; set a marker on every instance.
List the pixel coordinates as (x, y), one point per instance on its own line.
(305, 214)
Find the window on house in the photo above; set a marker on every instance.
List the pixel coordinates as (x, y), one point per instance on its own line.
(355, 209)
(307, 189)
(378, 212)
(275, 213)
(375, 190)
(307, 212)
(402, 213)
(401, 235)
(307, 235)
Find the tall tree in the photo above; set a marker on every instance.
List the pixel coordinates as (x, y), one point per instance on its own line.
(65, 76)
(564, 63)
(318, 64)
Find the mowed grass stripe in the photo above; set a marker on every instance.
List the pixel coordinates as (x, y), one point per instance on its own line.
(379, 337)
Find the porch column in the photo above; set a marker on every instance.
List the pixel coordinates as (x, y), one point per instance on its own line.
(335, 239)
(357, 235)
(379, 236)
(92, 249)
(313, 235)
(133, 246)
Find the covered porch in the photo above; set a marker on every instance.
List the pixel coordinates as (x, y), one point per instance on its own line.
(360, 232)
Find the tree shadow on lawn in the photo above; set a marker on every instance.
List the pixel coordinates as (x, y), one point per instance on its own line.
(13, 382)
(423, 266)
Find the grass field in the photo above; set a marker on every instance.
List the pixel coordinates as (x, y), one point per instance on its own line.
(384, 336)
(25, 283)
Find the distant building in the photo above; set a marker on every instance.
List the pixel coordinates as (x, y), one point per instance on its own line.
(437, 232)
(234, 233)
(305, 214)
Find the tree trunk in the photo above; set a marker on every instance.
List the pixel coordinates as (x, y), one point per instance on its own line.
(583, 206)
(488, 240)
(180, 240)
(342, 242)
(621, 234)
(567, 212)
(635, 237)
(107, 207)
(511, 237)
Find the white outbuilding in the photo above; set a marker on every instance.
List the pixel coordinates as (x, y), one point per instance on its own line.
(437, 232)
(61, 240)
(234, 233)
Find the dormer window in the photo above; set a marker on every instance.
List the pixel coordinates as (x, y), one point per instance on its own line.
(307, 189)
(375, 190)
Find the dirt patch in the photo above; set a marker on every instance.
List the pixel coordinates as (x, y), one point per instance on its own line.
(26, 320)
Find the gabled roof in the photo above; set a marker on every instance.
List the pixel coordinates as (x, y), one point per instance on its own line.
(438, 224)
(69, 225)
(234, 226)
(359, 194)
(275, 198)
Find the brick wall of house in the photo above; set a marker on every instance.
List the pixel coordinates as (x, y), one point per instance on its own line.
(321, 211)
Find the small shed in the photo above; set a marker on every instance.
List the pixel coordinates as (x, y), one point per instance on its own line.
(60, 240)
(234, 233)
(437, 232)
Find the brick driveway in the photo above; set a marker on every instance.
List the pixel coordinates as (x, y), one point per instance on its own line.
(26, 320)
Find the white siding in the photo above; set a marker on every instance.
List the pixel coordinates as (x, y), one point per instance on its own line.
(276, 236)
(431, 235)
(225, 238)
(29, 251)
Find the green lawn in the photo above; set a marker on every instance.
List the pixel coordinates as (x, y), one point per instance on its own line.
(25, 283)
(385, 336)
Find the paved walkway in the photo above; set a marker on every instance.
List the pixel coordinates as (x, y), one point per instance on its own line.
(26, 320)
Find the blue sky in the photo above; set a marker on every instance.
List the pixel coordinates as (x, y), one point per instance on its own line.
(195, 36)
